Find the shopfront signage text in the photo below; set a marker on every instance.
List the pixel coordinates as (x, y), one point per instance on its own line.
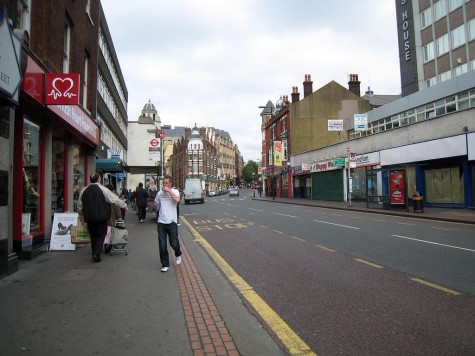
(405, 32)
(323, 166)
(10, 74)
(74, 116)
(115, 154)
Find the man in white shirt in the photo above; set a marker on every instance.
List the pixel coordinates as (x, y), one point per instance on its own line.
(167, 200)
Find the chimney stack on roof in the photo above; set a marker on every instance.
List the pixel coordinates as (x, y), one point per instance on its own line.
(354, 84)
(295, 95)
(307, 86)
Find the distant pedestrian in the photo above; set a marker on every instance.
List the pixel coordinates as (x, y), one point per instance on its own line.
(94, 207)
(141, 198)
(259, 189)
(167, 200)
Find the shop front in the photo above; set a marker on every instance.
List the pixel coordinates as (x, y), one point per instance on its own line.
(328, 181)
(302, 181)
(54, 153)
(10, 78)
(441, 171)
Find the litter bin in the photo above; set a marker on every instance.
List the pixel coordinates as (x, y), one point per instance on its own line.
(417, 203)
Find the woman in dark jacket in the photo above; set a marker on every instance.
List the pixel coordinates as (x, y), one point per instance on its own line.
(141, 199)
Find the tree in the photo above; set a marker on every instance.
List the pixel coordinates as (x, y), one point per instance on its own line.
(249, 172)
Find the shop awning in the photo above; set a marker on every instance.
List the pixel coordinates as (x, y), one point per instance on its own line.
(110, 165)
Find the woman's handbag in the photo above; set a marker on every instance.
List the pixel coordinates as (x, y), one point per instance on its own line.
(80, 233)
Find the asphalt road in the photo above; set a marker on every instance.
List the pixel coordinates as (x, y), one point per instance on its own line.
(350, 283)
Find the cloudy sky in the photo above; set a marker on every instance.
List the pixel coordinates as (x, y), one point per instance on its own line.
(214, 62)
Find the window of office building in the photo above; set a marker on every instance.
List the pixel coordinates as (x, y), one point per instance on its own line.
(442, 44)
(471, 29)
(429, 52)
(440, 9)
(431, 82)
(445, 76)
(461, 69)
(426, 17)
(453, 4)
(458, 36)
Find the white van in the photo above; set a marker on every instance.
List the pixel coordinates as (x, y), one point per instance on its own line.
(193, 191)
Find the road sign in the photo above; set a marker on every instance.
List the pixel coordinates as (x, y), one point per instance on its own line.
(154, 142)
(348, 149)
(339, 161)
(352, 157)
(162, 134)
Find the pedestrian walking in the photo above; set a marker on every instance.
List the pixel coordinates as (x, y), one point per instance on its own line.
(141, 198)
(167, 200)
(259, 189)
(115, 215)
(94, 207)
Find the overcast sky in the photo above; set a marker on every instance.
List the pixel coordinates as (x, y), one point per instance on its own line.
(214, 62)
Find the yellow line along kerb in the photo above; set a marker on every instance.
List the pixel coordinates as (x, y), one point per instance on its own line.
(294, 344)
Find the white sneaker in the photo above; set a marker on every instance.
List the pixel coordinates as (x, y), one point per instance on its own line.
(164, 269)
(141, 221)
(178, 260)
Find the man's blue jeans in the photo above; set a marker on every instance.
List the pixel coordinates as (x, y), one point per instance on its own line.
(172, 231)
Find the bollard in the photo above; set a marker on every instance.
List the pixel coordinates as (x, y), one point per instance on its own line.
(253, 194)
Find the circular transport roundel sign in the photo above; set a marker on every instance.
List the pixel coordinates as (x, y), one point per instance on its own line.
(154, 142)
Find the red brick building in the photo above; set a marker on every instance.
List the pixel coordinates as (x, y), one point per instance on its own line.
(53, 146)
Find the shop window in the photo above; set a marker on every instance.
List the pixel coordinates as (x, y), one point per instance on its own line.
(4, 121)
(57, 178)
(444, 185)
(31, 178)
(78, 182)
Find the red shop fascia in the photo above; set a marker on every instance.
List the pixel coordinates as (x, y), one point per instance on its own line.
(48, 116)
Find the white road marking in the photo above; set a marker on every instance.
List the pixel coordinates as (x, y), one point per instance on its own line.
(290, 216)
(326, 222)
(434, 243)
(440, 228)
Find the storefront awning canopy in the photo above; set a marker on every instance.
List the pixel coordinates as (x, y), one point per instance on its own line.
(110, 165)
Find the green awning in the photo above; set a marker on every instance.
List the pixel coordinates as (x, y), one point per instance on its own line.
(110, 165)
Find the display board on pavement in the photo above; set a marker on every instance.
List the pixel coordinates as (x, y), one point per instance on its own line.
(61, 231)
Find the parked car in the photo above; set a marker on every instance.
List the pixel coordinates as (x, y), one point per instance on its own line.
(212, 193)
(234, 192)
